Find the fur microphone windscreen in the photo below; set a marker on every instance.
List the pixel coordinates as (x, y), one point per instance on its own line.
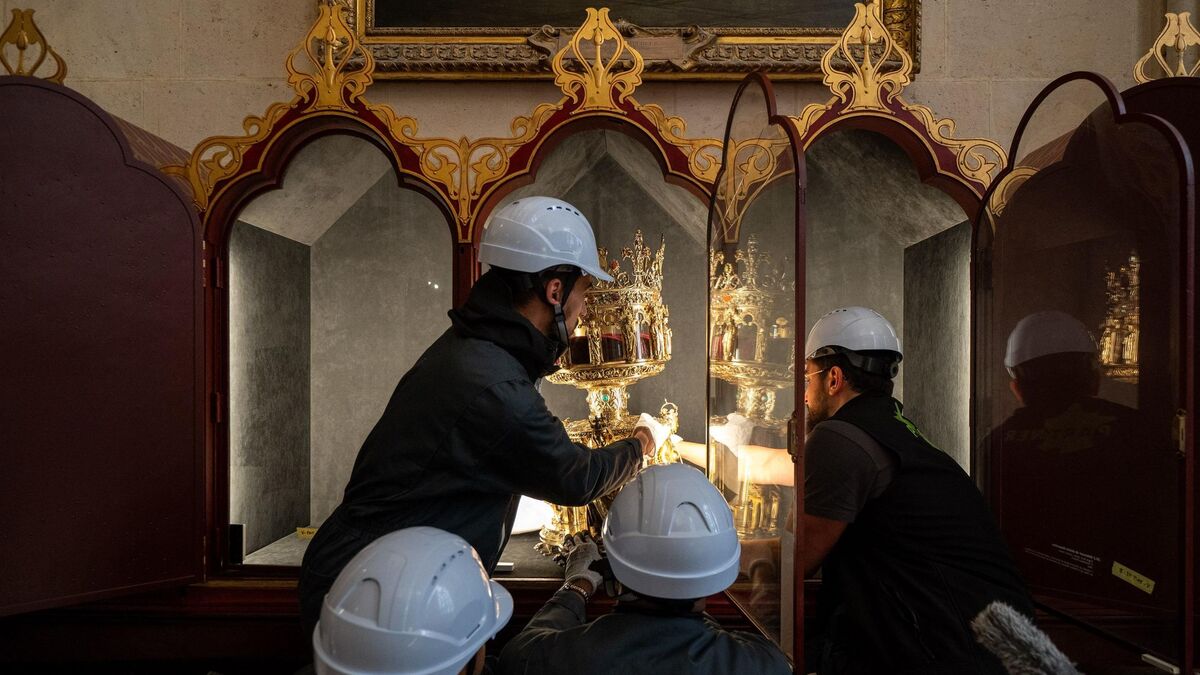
(1021, 647)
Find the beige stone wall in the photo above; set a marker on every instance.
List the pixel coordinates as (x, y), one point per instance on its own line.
(190, 69)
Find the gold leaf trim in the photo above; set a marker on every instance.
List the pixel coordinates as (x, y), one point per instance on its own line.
(338, 69)
(1178, 35)
(752, 164)
(868, 81)
(1008, 186)
(621, 72)
(330, 71)
(464, 166)
(976, 158)
(219, 157)
(704, 154)
(867, 84)
(22, 33)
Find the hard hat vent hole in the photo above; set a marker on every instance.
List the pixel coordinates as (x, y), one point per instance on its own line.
(468, 620)
(688, 518)
(363, 600)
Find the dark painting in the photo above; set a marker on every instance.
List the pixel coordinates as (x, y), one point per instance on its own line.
(704, 13)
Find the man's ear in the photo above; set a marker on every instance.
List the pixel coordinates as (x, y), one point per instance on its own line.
(1016, 391)
(553, 291)
(836, 379)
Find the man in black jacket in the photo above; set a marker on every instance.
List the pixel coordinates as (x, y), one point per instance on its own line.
(908, 550)
(466, 432)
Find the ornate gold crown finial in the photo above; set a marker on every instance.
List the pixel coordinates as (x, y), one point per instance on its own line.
(1180, 36)
(757, 273)
(866, 45)
(22, 33)
(620, 72)
(647, 266)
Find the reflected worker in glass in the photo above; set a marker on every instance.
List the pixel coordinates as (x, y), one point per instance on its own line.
(908, 551)
(466, 432)
(1068, 469)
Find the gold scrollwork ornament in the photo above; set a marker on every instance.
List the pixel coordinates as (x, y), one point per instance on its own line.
(23, 34)
(620, 71)
(1178, 36)
(868, 70)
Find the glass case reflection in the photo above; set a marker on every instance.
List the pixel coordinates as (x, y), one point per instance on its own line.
(1078, 363)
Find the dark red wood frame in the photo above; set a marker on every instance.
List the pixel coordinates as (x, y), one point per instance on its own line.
(194, 450)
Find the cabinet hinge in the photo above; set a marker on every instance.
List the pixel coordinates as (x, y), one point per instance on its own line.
(205, 266)
(1181, 432)
(793, 440)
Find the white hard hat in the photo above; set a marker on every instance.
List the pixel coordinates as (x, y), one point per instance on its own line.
(414, 601)
(537, 233)
(669, 534)
(855, 329)
(1045, 333)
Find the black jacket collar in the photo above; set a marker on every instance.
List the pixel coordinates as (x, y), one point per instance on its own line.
(489, 315)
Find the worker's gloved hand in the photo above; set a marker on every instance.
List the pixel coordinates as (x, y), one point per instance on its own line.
(658, 431)
(734, 433)
(582, 553)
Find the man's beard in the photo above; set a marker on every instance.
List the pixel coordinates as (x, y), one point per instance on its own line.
(815, 414)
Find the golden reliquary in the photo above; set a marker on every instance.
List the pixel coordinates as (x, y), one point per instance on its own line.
(752, 343)
(622, 338)
(1122, 322)
(752, 346)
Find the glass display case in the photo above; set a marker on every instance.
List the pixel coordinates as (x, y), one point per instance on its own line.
(1081, 363)
(335, 288)
(756, 293)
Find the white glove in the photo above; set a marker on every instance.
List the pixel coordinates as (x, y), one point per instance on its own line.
(734, 433)
(658, 431)
(583, 552)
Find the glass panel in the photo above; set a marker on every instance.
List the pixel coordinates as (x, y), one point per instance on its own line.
(910, 244)
(335, 289)
(641, 343)
(1078, 363)
(751, 355)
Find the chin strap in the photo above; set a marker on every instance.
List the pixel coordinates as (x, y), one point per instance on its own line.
(560, 323)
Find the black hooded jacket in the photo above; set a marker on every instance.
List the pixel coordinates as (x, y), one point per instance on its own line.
(463, 436)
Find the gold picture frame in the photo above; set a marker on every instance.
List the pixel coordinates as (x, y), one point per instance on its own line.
(683, 52)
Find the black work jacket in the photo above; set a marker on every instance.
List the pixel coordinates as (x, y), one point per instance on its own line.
(920, 561)
(464, 435)
(630, 640)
